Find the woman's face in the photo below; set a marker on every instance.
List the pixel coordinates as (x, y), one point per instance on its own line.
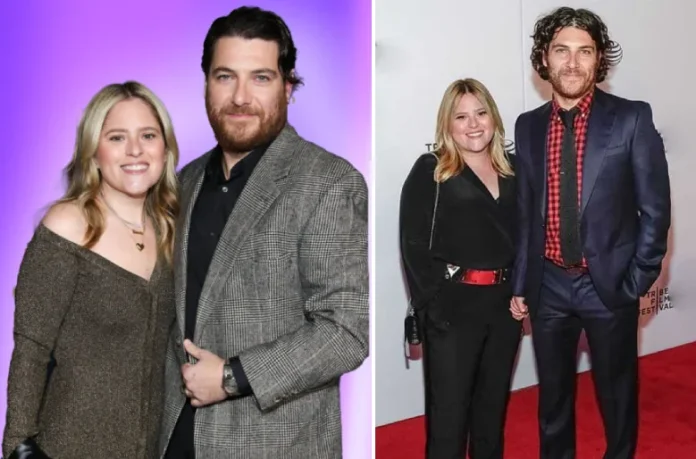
(472, 127)
(131, 151)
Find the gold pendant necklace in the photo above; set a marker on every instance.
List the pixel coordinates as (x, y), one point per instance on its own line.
(136, 229)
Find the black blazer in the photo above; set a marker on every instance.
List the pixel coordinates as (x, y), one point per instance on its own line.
(471, 229)
(625, 208)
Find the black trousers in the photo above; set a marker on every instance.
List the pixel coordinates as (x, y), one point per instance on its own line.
(568, 304)
(471, 341)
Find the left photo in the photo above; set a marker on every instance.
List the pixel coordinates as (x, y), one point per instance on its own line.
(186, 233)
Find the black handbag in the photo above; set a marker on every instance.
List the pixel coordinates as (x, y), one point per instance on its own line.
(28, 449)
(413, 330)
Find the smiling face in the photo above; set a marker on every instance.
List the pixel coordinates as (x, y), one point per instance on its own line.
(572, 61)
(472, 127)
(131, 151)
(246, 97)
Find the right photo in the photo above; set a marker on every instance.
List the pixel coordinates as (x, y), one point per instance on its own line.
(534, 248)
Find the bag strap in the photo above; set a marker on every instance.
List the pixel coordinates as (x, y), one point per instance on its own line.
(411, 309)
(437, 198)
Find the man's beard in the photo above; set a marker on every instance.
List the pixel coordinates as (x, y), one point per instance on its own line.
(244, 136)
(588, 80)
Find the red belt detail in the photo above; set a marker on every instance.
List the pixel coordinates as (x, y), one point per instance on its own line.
(481, 276)
(474, 276)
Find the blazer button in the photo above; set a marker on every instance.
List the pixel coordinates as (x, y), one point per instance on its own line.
(178, 342)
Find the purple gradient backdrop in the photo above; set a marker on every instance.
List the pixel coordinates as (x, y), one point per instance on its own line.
(56, 55)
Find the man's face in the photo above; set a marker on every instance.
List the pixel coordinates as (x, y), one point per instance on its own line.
(572, 60)
(246, 98)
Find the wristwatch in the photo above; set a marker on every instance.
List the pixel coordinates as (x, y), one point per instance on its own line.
(229, 383)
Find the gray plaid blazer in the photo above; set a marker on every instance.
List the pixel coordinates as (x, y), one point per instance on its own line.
(287, 291)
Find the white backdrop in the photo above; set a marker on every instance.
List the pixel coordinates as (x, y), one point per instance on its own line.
(421, 47)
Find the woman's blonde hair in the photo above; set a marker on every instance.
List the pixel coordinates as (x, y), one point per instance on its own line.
(84, 178)
(450, 160)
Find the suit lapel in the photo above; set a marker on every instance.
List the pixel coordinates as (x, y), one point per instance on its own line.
(599, 128)
(189, 194)
(259, 194)
(539, 152)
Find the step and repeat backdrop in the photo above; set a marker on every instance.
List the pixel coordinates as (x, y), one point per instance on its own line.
(421, 47)
(56, 55)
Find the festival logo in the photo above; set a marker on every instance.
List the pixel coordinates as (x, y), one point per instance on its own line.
(509, 146)
(656, 301)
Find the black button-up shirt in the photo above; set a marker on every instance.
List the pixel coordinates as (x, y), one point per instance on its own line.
(215, 203)
(212, 209)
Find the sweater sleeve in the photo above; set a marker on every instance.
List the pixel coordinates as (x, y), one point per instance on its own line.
(47, 278)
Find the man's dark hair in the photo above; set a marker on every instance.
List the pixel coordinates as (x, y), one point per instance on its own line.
(249, 23)
(547, 27)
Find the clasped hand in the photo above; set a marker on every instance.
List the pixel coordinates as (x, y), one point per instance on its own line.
(518, 308)
(202, 381)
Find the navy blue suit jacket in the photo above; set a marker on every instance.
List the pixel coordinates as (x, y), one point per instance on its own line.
(625, 206)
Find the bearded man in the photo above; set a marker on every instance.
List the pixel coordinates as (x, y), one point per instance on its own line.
(271, 266)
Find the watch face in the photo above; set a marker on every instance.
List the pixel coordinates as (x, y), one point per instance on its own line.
(228, 381)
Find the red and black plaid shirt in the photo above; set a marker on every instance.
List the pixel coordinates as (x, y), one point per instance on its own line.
(555, 143)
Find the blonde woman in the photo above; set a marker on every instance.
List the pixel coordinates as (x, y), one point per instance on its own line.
(95, 291)
(457, 224)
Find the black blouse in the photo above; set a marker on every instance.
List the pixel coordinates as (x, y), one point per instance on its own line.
(472, 229)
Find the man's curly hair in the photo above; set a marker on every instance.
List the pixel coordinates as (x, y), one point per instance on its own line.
(547, 27)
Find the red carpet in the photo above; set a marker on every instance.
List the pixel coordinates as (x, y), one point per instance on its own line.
(667, 416)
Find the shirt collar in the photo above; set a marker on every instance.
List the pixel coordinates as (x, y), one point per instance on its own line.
(214, 168)
(583, 105)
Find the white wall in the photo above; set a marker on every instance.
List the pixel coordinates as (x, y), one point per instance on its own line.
(421, 47)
